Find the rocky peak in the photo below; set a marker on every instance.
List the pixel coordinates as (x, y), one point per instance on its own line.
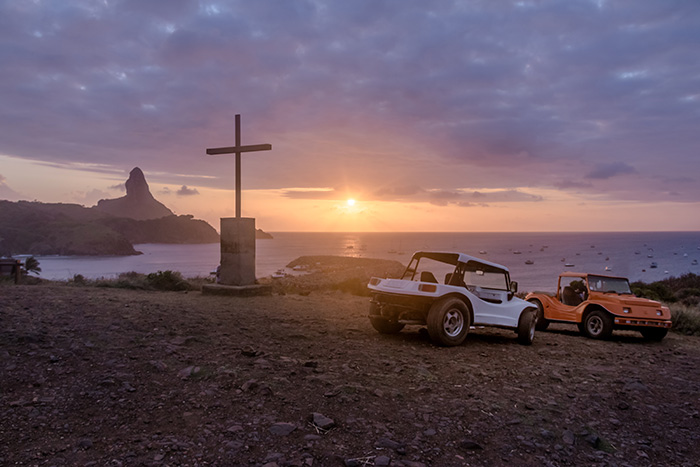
(138, 203)
(136, 184)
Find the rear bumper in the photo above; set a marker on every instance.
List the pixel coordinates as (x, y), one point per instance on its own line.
(646, 323)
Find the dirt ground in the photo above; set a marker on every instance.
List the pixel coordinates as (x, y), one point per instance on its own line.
(95, 376)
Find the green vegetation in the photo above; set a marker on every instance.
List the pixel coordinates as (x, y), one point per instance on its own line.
(684, 289)
(686, 319)
(161, 280)
(683, 296)
(32, 265)
(167, 280)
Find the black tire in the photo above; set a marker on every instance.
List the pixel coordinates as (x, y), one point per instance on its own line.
(526, 326)
(382, 324)
(597, 324)
(542, 322)
(654, 334)
(448, 322)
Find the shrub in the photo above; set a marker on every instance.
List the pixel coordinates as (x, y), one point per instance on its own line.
(654, 291)
(167, 280)
(686, 319)
(79, 279)
(689, 296)
(125, 280)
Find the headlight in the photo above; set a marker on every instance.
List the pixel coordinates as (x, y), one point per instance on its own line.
(626, 310)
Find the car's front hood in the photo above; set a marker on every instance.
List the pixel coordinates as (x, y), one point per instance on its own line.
(627, 300)
(629, 305)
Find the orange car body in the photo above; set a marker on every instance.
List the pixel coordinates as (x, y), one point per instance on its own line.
(579, 295)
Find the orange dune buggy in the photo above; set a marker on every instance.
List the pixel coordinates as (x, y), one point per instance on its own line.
(599, 304)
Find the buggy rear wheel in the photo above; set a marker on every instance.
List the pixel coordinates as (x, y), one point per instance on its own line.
(448, 322)
(542, 322)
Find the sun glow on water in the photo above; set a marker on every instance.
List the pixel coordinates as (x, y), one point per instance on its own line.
(351, 202)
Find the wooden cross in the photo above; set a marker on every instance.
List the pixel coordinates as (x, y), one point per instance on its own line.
(237, 150)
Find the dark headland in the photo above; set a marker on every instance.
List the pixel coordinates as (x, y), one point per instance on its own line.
(112, 227)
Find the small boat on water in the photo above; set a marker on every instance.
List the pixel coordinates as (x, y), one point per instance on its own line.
(608, 268)
(482, 252)
(694, 262)
(653, 265)
(529, 261)
(569, 265)
(517, 252)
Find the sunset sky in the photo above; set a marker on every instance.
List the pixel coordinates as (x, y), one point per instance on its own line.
(569, 115)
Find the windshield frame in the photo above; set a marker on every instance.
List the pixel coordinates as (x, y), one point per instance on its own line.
(460, 270)
(607, 284)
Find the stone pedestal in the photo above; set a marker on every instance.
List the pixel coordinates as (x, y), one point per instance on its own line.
(237, 251)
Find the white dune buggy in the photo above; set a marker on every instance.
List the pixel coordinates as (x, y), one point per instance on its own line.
(471, 292)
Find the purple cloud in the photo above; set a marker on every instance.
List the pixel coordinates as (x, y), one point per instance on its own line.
(185, 191)
(613, 169)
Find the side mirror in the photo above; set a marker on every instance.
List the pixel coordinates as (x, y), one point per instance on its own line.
(513, 287)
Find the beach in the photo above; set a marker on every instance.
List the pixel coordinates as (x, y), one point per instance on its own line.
(97, 376)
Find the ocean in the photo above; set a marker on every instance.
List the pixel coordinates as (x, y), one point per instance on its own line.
(628, 254)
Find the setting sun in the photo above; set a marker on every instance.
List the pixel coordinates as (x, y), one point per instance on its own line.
(351, 202)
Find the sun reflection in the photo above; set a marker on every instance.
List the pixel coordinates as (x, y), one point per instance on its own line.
(351, 202)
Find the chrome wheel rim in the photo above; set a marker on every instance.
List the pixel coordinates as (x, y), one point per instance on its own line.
(453, 323)
(595, 325)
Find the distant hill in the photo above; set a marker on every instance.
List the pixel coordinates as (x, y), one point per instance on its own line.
(70, 229)
(58, 229)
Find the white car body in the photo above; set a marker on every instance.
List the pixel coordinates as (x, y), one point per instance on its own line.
(484, 288)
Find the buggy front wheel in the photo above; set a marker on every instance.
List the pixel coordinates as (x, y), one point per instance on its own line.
(526, 326)
(598, 325)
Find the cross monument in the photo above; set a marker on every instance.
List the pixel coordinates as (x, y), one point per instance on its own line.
(238, 234)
